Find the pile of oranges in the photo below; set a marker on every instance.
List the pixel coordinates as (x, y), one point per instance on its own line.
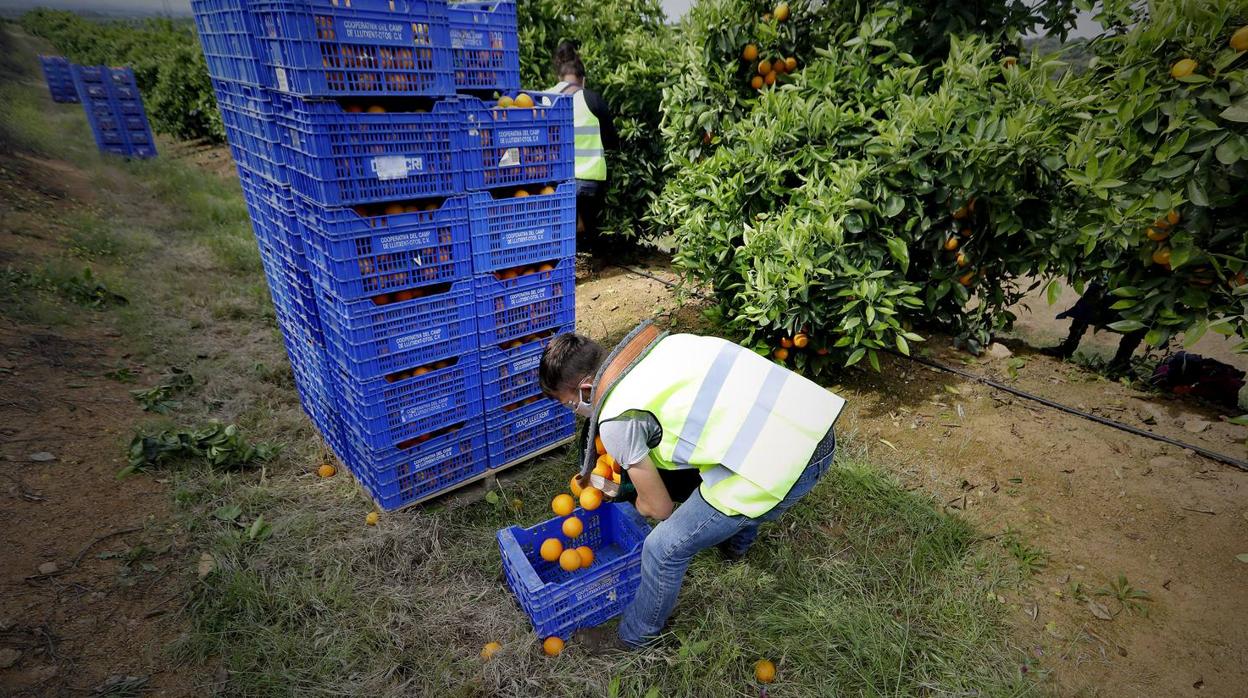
(1159, 233)
(520, 101)
(963, 232)
(799, 341)
(766, 72)
(416, 441)
(420, 370)
(521, 192)
(523, 270)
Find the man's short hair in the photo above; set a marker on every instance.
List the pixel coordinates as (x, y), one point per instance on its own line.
(567, 359)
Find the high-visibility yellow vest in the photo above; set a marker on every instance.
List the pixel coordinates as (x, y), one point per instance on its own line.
(749, 425)
(591, 160)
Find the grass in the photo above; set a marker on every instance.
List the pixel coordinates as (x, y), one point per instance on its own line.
(862, 589)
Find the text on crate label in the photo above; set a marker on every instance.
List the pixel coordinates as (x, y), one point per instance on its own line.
(519, 136)
(397, 166)
(392, 243)
(527, 364)
(525, 237)
(419, 339)
(411, 414)
(365, 30)
(467, 38)
(531, 296)
(606, 584)
(436, 457)
(533, 420)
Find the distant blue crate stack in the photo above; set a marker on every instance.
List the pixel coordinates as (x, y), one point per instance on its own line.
(114, 108)
(380, 242)
(60, 81)
(559, 602)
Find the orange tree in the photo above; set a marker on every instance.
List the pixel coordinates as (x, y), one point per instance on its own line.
(1160, 168)
(878, 188)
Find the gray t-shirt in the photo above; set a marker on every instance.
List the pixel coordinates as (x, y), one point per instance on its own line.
(627, 438)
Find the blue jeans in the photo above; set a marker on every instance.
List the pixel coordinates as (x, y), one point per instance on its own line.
(694, 526)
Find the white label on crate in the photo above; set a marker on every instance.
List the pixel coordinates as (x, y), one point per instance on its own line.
(527, 364)
(392, 166)
(530, 296)
(510, 158)
(411, 414)
(418, 339)
(526, 237)
(432, 458)
(519, 136)
(468, 38)
(364, 30)
(606, 585)
(532, 421)
(282, 84)
(392, 243)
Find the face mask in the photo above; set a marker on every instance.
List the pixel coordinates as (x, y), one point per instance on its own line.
(583, 406)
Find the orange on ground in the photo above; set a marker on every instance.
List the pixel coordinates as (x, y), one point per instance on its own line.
(782, 11)
(551, 549)
(523, 101)
(326, 470)
(575, 485)
(1161, 256)
(1183, 68)
(587, 555)
(757, 82)
(749, 53)
(372, 518)
(1157, 235)
(569, 560)
(951, 244)
(572, 527)
(764, 67)
(490, 649)
(552, 646)
(781, 354)
(562, 505)
(591, 498)
(764, 671)
(598, 446)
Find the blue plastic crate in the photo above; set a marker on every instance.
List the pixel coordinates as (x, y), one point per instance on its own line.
(510, 311)
(227, 36)
(361, 256)
(320, 48)
(60, 81)
(387, 414)
(372, 341)
(114, 110)
(492, 354)
(340, 158)
(559, 602)
(432, 467)
(515, 146)
(518, 433)
(509, 382)
(251, 129)
(485, 48)
(511, 231)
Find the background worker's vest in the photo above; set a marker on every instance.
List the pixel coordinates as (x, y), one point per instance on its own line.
(749, 425)
(591, 161)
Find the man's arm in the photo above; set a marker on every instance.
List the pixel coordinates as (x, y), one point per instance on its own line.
(652, 497)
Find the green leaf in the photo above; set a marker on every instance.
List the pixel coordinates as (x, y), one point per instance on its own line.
(1196, 193)
(1155, 337)
(228, 513)
(902, 346)
(1052, 292)
(1126, 326)
(855, 357)
(491, 497)
(874, 358)
(1237, 112)
(893, 205)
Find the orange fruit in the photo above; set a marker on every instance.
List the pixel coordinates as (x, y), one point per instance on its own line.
(551, 549)
(963, 260)
(562, 505)
(547, 190)
(354, 109)
(777, 66)
(757, 82)
(572, 527)
(966, 232)
(602, 469)
(822, 351)
(786, 342)
(1173, 217)
(394, 209)
(800, 340)
(552, 646)
(546, 267)
(598, 446)
(326, 470)
(376, 109)
(951, 244)
(505, 102)
(781, 12)
(764, 67)
(1239, 40)
(771, 78)
(966, 278)
(490, 649)
(781, 354)
(523, 101)
(749, 53)
(1157, 235)
(960, 213)
(569, 561)
(764, 671)
(607, 460)
(616, 477)
(1183, 68)
(520, 194)
(1161, 256)
(587, 555)
(575, 485)
(591, 498)
(790, 64)
(372, 518)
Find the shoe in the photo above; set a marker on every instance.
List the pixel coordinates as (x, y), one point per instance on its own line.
(729, 554)
(600, 639)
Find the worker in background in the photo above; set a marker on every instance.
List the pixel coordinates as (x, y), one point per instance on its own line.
(594, 134)
(759, 435)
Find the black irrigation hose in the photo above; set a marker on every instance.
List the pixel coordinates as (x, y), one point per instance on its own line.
(1211, 455)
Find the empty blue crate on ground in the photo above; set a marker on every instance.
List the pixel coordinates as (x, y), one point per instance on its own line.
(371, 250)
(344, 153)
(429, 466)
(227, 36)
(509, 231)
(114, 108)
(485, 48)
(559, 602)
(251, 129)
(60, 81)
(515, 146)
(523, 429)
(318, 48)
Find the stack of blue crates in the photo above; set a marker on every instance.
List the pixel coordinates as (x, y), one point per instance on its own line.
(60, 81)
(110, 97)
(385, 207)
